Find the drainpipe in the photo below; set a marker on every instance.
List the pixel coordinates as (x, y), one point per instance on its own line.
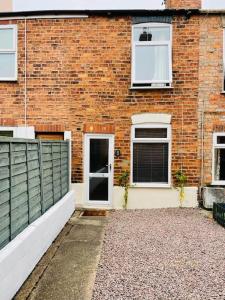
(25, 72)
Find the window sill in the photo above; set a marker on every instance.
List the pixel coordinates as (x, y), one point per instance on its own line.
(217, 183)
(223, 93)
(155, 186)
(152, 88)
(8, 79)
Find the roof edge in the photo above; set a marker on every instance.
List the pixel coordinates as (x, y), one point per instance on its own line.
(131, 12)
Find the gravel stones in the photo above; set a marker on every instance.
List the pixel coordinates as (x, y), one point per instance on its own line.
(161, 254)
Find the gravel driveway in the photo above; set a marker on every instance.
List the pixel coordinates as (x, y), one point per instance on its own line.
(161, 254)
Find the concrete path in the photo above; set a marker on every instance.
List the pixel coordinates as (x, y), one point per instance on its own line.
(67, 271)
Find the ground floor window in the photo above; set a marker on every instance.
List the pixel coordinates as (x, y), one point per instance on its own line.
(219, 158)
(6, 133)
(151, 154)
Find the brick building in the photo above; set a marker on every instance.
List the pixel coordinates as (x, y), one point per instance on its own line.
(137, 91)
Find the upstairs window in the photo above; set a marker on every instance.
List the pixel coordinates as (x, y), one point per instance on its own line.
(151, 55)
(8, 52)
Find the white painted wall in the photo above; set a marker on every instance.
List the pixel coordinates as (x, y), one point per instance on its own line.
(142, 198)
(20, 132)
(19, 257)
(25, 5)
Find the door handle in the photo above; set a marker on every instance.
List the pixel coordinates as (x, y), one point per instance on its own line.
(110, 167)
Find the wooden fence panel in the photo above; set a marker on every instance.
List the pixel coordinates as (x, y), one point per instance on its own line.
(34, 175)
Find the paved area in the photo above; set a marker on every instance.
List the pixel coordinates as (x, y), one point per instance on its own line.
(68, 269)
(162, 254)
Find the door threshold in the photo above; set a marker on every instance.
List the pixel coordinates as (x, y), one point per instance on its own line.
(94, 213)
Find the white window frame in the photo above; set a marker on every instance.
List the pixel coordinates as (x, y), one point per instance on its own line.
(151, 140)
(214, 147)
(11, 51)
(150, 43)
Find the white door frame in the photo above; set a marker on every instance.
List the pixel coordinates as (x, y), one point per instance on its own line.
(110, 176)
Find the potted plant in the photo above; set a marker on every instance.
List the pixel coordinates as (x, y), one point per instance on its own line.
(124, 181)
(181, 181)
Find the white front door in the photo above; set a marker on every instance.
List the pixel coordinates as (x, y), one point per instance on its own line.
(99, 154)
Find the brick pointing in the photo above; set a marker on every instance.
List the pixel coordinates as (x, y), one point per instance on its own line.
(79, 72)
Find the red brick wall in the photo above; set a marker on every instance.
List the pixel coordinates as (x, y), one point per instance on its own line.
(79, 72)
(177, 4)
(211, 100)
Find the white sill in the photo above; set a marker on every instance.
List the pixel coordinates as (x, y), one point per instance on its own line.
(218, 183)
(223, 92)
(8, 79)
(152, 88)
(151, 185)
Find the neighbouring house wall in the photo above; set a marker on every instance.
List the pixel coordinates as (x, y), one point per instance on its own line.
(211, 99)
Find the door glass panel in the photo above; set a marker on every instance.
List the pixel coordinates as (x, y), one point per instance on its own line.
(98, 189)
(99, 155)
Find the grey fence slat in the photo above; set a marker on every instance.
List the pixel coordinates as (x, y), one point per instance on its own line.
(33, 177)
(19, 200)
(4, 222)
(5, 209)
(28, 184)
(4, 162)
(34, 173)
(4, 197)
(4, 172)
(4, 148)
(35, 191)
(41, 177)
(4, 184)
(4, 235)
(19, 179)
(10, 200)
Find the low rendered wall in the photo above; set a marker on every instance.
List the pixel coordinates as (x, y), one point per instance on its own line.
(142, 198)
(19, 257)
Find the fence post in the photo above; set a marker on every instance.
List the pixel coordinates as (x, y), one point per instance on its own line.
(68, 165)
(28, 184)
(61, 193)
(53, 190)
(41, 176)
(10, 180)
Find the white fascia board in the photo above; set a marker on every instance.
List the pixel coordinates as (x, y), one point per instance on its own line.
(32, 5)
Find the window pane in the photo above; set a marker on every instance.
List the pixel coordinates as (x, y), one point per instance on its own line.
(151, 63)
(6, 39)
(98, 189)
(151, 133)
(6, 133)
(219, 172)
(99, 155)
(7, 65)
(221, 140)
(150, 162)
(151, 34)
